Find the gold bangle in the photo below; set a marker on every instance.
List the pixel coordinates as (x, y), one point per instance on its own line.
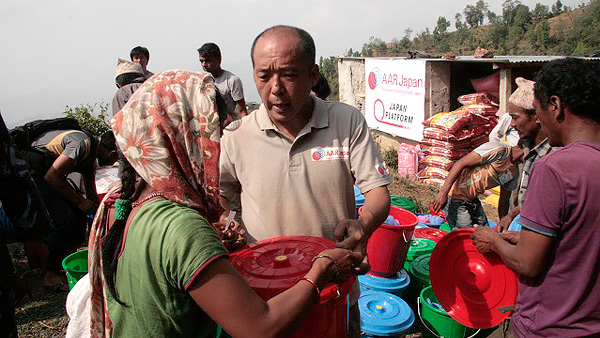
(315, 286)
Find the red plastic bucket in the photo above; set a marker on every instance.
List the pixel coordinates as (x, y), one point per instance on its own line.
(274, 265)
(389, 244)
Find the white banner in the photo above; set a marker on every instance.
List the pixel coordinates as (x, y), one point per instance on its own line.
(395, 96)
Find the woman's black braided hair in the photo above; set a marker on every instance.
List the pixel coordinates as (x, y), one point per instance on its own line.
(111, 244)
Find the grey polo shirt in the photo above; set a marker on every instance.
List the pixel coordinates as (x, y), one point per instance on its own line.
(304, 186)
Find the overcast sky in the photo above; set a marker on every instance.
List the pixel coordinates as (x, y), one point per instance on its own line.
(64, 52)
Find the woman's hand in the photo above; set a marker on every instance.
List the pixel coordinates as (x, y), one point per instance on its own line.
(234, 237)
(334, 265)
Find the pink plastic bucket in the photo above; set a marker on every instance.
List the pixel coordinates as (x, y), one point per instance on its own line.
(389, 244)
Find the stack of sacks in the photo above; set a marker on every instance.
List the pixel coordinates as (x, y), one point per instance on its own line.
(479, 103)
(450, 136)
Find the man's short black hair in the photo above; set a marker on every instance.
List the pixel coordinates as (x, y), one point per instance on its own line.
(575, 81)
(139, 50)
(209, 49)
(307, 44)
(108, 141)
(127, 78)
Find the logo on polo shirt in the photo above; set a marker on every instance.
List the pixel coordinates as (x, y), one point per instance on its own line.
(330, 153)
(382, 169)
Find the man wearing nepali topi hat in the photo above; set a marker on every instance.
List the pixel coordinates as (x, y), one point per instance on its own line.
(129, 77)
(532, 139)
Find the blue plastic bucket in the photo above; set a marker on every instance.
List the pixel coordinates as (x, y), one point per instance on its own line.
(515, 225)
(432, 221)
(383, 314)
(359, 199)
(395, 285)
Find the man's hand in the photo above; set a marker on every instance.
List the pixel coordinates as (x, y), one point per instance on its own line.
(504, 223)
(440, 201)
(351, 235)
(483, 238)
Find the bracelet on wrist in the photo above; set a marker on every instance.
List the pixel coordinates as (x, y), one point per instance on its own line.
(315, 286)
(337, 266)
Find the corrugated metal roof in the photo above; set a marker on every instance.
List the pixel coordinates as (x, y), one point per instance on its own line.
(514, 58)
(495, 59)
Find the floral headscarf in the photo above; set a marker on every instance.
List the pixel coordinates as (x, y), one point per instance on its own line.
(169, 132)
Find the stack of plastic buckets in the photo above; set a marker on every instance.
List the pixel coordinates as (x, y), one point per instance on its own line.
(435, 321)
(403, 203)
(383, 312)
(384, 315)
(419, 274)
(418, 247)
(395, 284)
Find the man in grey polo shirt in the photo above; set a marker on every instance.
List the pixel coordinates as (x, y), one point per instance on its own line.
(294, 160)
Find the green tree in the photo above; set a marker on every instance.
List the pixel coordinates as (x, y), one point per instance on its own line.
(441, 28)
(444, 46)
(458, 24)
(483, 7)
(474, 15)
(375, 47)
(583, 38)
(540, 13)
(557, 8)
(508, 11)
(492, 17)
(496, 35)
(329, 68)
(97, 123)
(543, 34)
(405, 42)
(522, 18)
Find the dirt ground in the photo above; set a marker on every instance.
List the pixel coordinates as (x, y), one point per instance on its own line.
(43, 314)
(422, 195)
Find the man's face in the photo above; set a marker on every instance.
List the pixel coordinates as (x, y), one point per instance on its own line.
(210, 63)
(525, 124)
(550, 126)
(283, 78)
(141, 59)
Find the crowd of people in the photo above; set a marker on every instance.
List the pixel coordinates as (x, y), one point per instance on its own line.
(190, 154)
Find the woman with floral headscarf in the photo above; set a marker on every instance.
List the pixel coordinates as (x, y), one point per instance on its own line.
(157, 267)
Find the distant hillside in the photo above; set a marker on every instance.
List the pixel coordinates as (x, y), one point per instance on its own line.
(518, 30)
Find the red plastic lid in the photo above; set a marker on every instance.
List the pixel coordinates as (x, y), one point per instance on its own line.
(431, 234)
(274, 265)
(469, 285)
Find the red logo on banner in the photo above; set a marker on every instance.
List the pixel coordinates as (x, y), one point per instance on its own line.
(374, 78)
